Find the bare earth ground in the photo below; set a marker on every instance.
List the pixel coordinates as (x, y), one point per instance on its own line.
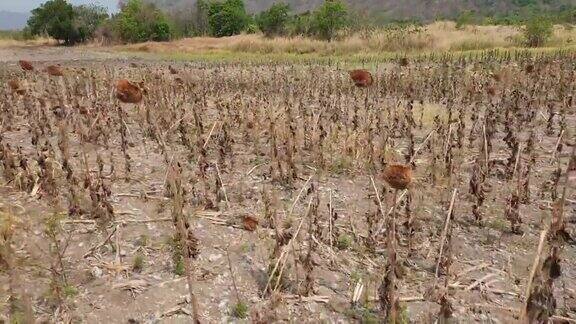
(488, 275)
(53, 53)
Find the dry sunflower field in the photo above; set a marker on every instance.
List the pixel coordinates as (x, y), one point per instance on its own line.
(268, 193)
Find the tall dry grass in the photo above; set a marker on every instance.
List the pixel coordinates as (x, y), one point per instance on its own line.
(439, 36)
(14, 39)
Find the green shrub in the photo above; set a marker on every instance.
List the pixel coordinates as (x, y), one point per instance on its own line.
(173, 243)
(344, 242)
(272, 22)
(537, 31)
(252, 28)
(299, 25)
(70, 291)
(363, 315)
(240, 310)
(465, 18)
(179, 268)
(138, 263)
(140, 22)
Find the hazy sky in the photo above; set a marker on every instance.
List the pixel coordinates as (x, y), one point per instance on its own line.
(27, 5)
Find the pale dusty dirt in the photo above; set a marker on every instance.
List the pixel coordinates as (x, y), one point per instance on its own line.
(54, 53)
(99, 298)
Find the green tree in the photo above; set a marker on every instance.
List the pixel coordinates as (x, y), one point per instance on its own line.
(54, 18)
(227, 18)
(140, 22)
(201, 17)
(63, 22)
(538, 31)
(329, 18)
(272, 22)
(87, 19)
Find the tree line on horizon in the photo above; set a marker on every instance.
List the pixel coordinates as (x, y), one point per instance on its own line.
(140, 21)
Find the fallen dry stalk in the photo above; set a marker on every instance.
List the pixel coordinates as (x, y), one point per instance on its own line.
(183, 234)
(209, 135)
(381, 226)
(238, 299)
(421, 146)
(477, 282)
(485, 142)
(444, 233)
(471, 269)
(384, 215)
(298, 196)
(533, 270)
(93, 249)
(289, 246)
(285, 250)
(223, 187)
(556, 146)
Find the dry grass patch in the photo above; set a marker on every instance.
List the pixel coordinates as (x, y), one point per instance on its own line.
(436, 37)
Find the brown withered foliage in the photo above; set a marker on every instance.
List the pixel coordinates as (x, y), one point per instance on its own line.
(404, 61)
(477, 189)
(210, 136)
(571, 171)
(16, 87)
(14, 84)
(541, 303)
(249, 223)
(313, 230)
(513, 213)
(491, 90)
(25, 65)
(128, 92)
(497, 76)
(361, 78)
(398, 176)
(387, 291)
(54, 70)
(184, 231)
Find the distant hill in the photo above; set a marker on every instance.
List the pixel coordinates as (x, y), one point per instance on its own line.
(401, 9)
(13, 20)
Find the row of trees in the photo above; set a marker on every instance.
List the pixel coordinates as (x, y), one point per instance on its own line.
(229, 18)
(562, 15)
(140, 21)
(136, 22)
(323, 23)
(537, 30)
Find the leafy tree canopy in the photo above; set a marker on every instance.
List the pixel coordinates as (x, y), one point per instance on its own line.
(227, 18)
(329, 18)
(272, 22)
